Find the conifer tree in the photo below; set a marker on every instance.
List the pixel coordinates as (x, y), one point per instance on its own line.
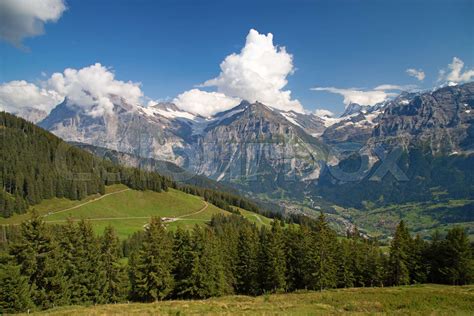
(272, 258)
(375, 266)
(459, 268)
(183, 259)
(152, 278)
(435, 258)
(226, 229)
(84, 267)
(207, 270)
(297, 244)
(399, 273)
(247, 261)
(40, 261)
(417, 260)
(320, 260)
(114, 272)
(344, 259)
(14, 288)
(358, 259)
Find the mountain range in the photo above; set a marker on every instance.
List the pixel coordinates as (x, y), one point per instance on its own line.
(291, 156)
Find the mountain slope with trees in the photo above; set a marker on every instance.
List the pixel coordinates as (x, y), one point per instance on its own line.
(37, 165)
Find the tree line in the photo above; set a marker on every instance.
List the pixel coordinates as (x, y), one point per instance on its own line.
(45, 266)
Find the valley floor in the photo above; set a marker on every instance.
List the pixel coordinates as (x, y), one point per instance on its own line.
(420, 299)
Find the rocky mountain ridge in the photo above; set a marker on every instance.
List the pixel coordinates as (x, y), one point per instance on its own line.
(262, 149)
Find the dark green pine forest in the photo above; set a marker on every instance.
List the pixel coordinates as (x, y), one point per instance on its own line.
(44, 266)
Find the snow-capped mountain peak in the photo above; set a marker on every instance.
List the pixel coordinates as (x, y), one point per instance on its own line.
(167, 110)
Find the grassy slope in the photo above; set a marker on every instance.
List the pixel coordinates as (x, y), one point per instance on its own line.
(422, 300)
(127, 210)
(258, 219)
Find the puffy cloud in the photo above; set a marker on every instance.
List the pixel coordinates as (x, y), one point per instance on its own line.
(16, 96)
(417, 73)
(455, 73)
(323, 113)
(258, 73)
(26, 18)
(93, 89)
(204, 103)
(369, 97)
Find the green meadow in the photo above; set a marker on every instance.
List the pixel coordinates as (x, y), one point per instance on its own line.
(405, 300)
(128, 210)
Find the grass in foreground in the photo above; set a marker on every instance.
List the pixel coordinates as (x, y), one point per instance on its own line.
(423, 300)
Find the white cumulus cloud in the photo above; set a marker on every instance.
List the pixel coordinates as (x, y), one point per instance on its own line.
(92, 88)
(455, 73)
(26, 18)
(416, 73)
(258, 73)
(19, 94)
(204, 103)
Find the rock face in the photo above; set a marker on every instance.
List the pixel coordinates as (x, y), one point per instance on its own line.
(354, 128)
(257, 147)
(128, 129)
(261, 149)
(441, 121)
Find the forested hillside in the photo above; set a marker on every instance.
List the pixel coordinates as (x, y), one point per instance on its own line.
(37, 165)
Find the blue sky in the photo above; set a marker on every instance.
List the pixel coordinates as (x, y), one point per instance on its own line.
(171, 46)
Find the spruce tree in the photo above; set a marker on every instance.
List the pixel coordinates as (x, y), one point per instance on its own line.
(375, 266)
(183, 259)
(435, 258)
(399, 273)
(84, 267)
(344, 259)
(246, 273)
(297, 244)
(40, 261)
(114, 271)
(321, 257)
(272, 259)
(358, 258)
(226, 229)
(14, 288)
(207, 276)
(152, 278)
(459, 268)
(417, 260)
